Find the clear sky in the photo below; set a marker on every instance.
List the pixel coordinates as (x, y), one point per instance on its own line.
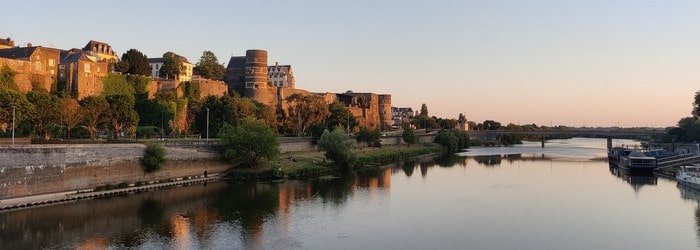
(573, 62)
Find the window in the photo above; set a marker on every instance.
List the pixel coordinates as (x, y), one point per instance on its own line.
(51, 62)
(98, 69)
(87, 68)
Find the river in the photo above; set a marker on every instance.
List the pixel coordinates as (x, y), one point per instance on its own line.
(564, 196)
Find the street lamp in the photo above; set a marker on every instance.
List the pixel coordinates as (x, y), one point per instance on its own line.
(207, 124)
(162, 130)
(13, 123)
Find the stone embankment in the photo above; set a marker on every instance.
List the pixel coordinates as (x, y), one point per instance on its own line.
(28, 170)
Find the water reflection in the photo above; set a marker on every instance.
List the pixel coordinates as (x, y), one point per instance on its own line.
(637, 181)
(692, 195)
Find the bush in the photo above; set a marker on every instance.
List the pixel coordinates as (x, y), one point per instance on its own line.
(447, 140)
(371, 137)
(338, 147)
(250, 142)
(409, 136)
(153, 157)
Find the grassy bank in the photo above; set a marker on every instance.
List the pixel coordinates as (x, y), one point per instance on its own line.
(302, 165)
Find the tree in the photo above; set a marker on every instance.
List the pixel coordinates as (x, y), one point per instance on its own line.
(46, 112)
(250, 142)
(22, 109)
(7, 79)
(447, 140)
(409, 136)
(209, 67)
(121, 114)
(172, 66)
(134, 62)
(306, 110)
(340, 116)
(696, 105)
(371, 137)
(71, 114)
(94, 110)
(116, 84)
(153, 157)
(338, 148)
(424, 110)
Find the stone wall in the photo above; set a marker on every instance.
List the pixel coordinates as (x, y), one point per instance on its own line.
(40, 169)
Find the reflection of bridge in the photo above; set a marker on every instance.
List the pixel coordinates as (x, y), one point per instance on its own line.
(543, 134)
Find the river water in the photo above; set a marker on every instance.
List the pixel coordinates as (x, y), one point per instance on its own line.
(564, 196)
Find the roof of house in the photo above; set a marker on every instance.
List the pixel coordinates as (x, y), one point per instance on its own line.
(156, 60)
(72, 56)
(18, 52)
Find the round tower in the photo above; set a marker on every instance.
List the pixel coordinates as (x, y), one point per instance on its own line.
(255, 72)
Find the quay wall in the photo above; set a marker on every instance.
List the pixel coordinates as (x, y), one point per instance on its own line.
(31, 169)
(27, 170)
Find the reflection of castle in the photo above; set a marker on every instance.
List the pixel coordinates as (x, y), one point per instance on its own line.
(251, 77)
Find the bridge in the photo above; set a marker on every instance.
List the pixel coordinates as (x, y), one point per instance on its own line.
(594, 133)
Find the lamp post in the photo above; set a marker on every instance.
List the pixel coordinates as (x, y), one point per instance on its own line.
(347, 123)
(13, 123)
(162, 130)
(207, 124)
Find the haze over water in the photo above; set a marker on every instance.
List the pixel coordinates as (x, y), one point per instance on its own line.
(524, 198)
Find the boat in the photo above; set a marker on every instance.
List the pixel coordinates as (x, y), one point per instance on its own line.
(647, 160)
(689, 176)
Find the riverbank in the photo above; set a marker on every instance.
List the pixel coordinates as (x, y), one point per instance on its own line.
(310, 164)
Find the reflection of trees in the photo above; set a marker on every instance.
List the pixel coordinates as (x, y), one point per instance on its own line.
(150, 213)
(335, 190)
(488, 160)
(408, 166)
(248, 204)
(692, 195)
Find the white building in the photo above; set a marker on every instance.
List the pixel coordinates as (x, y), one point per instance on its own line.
(157, 63)
(281, 75)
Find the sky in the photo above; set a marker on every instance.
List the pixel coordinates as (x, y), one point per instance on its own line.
(549, 62)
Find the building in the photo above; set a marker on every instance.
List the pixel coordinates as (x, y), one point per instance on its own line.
(281, 75)
(371, 110)
(401, 116)
(82, 73)
(7, 43)
(36, 68)
(101, 51)
(157, 64)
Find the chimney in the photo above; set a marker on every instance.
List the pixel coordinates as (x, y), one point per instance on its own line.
(29, 45)
(277, 64)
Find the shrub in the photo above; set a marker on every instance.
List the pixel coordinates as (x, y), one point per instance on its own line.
(153, 157)
(250, 142)
(338, 147)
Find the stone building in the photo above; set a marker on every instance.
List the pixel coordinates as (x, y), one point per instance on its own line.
(401, 116)
(281, 75)
(101, 51)
(36, 68)
(371, 110)
(82, 73)
(7, 43)
(157, 63)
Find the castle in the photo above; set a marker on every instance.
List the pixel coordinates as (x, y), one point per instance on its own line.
(251, 77)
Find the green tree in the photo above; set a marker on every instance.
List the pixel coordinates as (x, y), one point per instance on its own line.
(116, 84)
(153, 157)
(134, 62)
(7, 79)
(23, 108)
(95, 113)
(409, 136)
(71, 114)
(463, 139)
(209, 67)
(447, 140)
(46, 112)
(424, 110)
(305, 110)
(172, 66)
(338, 148)
(696, 105)
(340, 116)
(121, 114)
(153, 113)
(139, 85)
(369, 137)
(249, 142)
